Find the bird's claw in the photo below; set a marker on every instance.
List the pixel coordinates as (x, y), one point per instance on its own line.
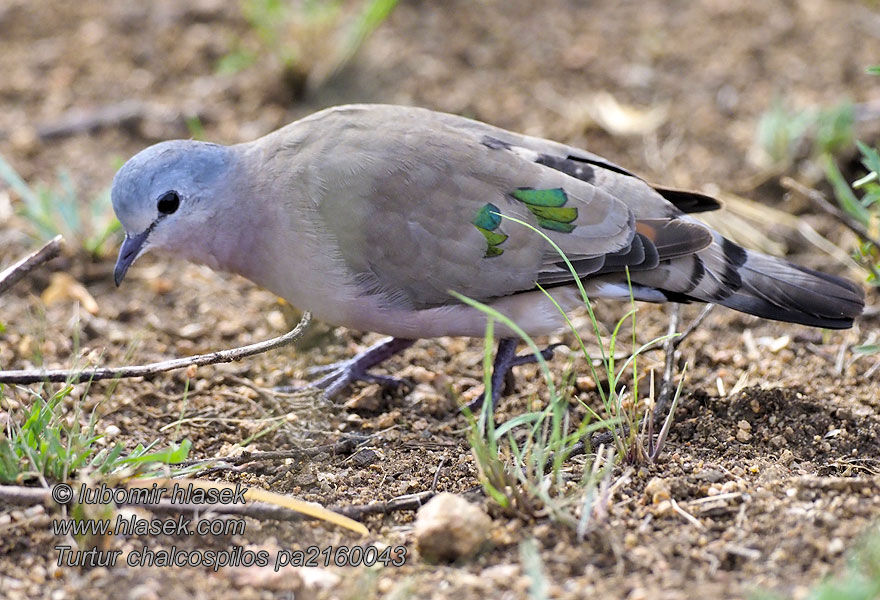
(339, 375)
(349, 372)
(319, 369)
(525, 359)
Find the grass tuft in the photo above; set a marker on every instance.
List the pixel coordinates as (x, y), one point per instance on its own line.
(523, 464)
(43, 441)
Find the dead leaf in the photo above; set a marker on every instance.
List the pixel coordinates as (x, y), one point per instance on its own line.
(63, 287)
(621, 119)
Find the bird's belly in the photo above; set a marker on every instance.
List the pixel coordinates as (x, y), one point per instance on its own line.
(530, 311)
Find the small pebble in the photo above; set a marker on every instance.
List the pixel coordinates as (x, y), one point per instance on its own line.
(368, 399)
(418, 374)
(501, 572)
(386, 420)
(664, 508)
(657, 490)
(365, 457)
(276, 320)
(429, 400)
(835, 546)
(449, 528)
(743, 431)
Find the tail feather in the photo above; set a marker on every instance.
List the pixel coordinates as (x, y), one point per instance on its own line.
(775, 289)
(725, 273)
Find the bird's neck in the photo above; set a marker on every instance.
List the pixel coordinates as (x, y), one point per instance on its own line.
(274, 235)
(256, 221)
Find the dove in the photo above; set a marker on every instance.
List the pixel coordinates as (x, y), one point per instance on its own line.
(371, 216)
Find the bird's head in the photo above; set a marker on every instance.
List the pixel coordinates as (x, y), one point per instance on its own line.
(165, 198)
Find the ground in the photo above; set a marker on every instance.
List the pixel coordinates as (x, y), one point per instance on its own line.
(779, 419)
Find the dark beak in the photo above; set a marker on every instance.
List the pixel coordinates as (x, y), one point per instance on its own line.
(131, 247)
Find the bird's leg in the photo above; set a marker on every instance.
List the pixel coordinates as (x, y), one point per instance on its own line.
(343, 373)
(502, 376)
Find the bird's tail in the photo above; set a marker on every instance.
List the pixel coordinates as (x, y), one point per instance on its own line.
(754, 283)
(776, 289)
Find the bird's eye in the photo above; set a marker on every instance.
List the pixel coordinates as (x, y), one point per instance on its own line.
(168, 203)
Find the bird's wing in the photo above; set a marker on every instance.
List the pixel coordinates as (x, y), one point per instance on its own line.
(695, 263)
(591, 168)
(417, 204)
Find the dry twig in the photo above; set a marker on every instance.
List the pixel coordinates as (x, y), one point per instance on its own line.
(19, 270)
(818, 198)
(88, 120)
(686, 515)
(98, 373)
(669, 364)
(30, 496)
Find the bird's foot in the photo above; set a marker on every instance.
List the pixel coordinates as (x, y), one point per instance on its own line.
(502, 375)
(339, 375)
(347, 372)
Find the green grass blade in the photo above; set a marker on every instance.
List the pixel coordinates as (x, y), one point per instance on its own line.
(844, 194)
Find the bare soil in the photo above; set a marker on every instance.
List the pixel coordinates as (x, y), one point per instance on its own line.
(794, 447)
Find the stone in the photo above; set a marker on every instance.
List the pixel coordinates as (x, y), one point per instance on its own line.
(449, 528)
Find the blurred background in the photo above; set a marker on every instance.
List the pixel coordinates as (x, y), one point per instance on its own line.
(675, 90)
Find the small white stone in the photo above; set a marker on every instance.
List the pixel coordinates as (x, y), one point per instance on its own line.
(449, 527)
(657, 490)
(835, 546)
(276, 320)
(429, 400)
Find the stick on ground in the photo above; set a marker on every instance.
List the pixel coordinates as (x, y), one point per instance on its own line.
(819, 199)
(19, 270)
(669, 346)
(98, 373)
(343, 447)
(30, 496)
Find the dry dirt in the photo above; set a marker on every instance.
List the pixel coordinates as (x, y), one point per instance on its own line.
(714, 66)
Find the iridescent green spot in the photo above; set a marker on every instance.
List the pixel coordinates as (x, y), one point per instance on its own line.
(556, 225)
(488, 217)
(533, 197)
(549, 207)
(487, 221)
(561, 214)
(492, 237)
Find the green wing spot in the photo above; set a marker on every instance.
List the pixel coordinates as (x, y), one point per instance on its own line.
(487, 220)
(492, 237)
(556, 225)
(563, 215)
(532, 197)
(549, 207)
